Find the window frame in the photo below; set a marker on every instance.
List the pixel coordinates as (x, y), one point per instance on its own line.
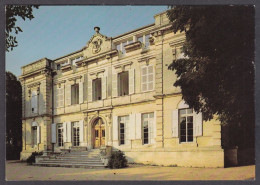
(125, 122)
(34, 97)
(94, 96)
(186, 125)
(34, 136)
(74, 100)
(119, 88)
(150, 128)
(60, 135)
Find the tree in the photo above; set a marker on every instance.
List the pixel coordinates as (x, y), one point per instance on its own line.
(217, 75)
(12, 11)
(13, 116)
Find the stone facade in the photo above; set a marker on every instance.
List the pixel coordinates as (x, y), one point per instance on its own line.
(63, 100)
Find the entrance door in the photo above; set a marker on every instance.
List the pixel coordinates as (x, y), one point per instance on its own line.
(99, 134)
(75, 134)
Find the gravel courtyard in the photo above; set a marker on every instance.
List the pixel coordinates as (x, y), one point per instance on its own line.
(17, 171)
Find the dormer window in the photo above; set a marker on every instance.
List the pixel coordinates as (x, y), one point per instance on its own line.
(121, 46)
(73, 61)
(58, 66)
(144, 39)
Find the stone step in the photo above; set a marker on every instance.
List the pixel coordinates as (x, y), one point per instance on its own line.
(71, 162)
(80, 157)
(69, 165)
(65, 160)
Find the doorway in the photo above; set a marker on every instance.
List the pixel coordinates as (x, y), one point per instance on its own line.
(99, 133)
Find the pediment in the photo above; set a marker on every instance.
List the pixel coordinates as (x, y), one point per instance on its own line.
(97, 44)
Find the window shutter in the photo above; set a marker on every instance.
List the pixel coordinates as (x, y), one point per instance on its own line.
(32, 103)
(81, 130)
(131, 81)
(56, 96)
(104, 87)
(175, 123)
(36, 103)
(138, 126)
(53, 133)
(68, 131)
(85, 88)
(131, 126)
(61, 97)
(81, 93)
(154, 128)
(114, 85)
(127, 133)
(38, 134)
(68, 95)
(144, 78)
(64, 132)
(115, 128)
(197, 124)
(90, 90)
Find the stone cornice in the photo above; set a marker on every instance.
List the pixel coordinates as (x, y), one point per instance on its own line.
(133, 46)
(36, 84)
(75, 78)
(59, 82)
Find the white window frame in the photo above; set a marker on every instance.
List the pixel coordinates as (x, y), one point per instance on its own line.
(60, 135)
(34, 136)
(119, 88)
(143, 40)
(142, 76)
(94, 96)
(121, 47)
(150, 127)
(125, 122)
(186, 124)
(75, 125)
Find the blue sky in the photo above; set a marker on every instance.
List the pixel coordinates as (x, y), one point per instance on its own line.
(58, 30)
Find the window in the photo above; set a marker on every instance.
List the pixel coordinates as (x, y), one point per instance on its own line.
(97, 92)
(60, 97)
(34, 102)
(58, 66)
(123, 81)
(123, 121)
(145, 40)
(75, 94)
(73, 61)
(147, 127)
(75, 133)
(60, 134)
(147, 78)
(34, 136)
(121, 46)
(186, 125)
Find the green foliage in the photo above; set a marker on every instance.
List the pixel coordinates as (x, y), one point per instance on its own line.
(117, 160)
(31, 159)
(13, 11)
(218, 75)
(13, 116)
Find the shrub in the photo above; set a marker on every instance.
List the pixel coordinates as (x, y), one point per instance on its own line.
(117, 160)
(31, 159)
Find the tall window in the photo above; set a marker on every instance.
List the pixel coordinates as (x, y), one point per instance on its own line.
(34, 136)
(186, 125)
(97, 92)
(75, 94)
(147, 78)
(147, 127)
(34, 102)
(123, 81)
(60, 97)
(123, 121)
(75, 133)
(60, 134)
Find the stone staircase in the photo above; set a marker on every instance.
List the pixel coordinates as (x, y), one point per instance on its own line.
(74, 159)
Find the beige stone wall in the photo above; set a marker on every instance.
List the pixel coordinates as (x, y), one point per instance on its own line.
(162, 100)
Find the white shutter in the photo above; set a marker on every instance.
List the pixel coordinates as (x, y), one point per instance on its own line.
(85, 88)
(61, 97)
(56, 96)
(154, 128)
(68, 95)
(175, 123)
(36, 103)
(197, 124)
(131, 126)
(64, 132)
(138, 126)
(114, 85)
(81, 130)
(131, 81)
(68, 131)
(115, 128)
(127, 134)
(38, 134)
(81, 93)
(104, 87)
(53, 133)
(90, 90)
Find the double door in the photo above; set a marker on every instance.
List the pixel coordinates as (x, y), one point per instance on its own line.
(99, 134)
